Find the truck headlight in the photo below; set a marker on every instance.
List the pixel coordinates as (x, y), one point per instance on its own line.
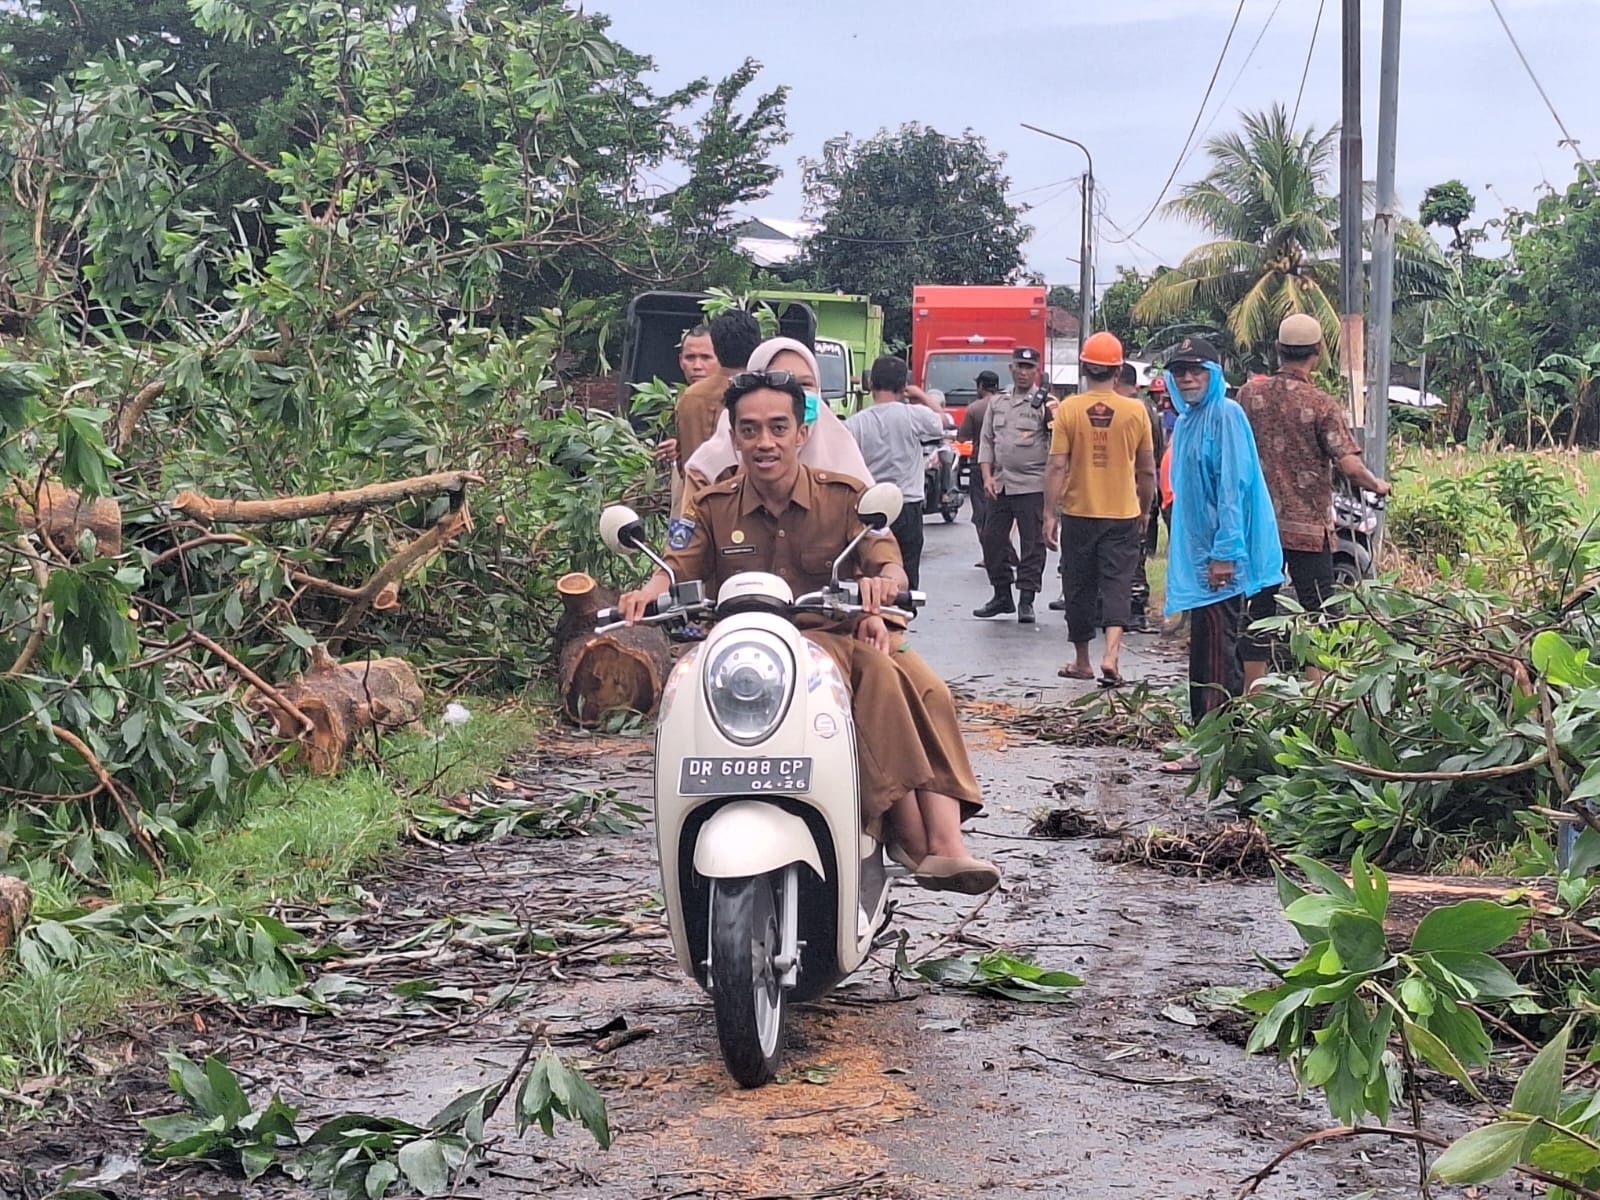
(748, 685)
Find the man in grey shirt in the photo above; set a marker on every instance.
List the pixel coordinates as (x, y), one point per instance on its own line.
(1012, 454)
(895, 437)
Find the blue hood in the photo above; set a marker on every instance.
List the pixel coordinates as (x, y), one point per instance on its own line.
(1221, 509)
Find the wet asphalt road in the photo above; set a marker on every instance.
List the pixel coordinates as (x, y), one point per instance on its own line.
(1135, 1088)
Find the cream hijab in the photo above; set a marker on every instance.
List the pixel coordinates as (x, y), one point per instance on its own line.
(830, 446)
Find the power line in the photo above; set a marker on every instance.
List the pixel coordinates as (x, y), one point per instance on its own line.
(1567, 138)
(1199, 113)
(1245, 66)
(1306, 73)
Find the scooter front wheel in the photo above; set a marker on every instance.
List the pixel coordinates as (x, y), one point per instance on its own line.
(747, 995)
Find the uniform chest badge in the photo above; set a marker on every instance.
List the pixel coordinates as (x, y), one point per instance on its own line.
(737, 537)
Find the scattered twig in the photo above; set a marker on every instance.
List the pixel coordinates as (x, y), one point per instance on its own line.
(1106, 1073)
(110, 787)
(210, 539)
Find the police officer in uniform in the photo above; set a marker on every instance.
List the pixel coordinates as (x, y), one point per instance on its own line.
(785, 518)
(1012, 454)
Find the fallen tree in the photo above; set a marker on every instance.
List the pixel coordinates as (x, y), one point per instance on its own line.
(604, 673)
(339, 701)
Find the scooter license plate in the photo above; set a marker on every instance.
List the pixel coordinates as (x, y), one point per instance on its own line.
(737, 776)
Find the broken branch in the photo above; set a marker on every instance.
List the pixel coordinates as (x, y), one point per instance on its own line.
(298, 508)
(109, 786)
(260, 684)
(406, 560)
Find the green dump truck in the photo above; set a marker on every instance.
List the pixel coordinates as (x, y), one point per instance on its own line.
(845, 332)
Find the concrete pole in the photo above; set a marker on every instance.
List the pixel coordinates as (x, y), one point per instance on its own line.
(1384, 220)
(1086, 265)
(1352, 344)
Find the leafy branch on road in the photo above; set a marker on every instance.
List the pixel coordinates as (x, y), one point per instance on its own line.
(356, 1156)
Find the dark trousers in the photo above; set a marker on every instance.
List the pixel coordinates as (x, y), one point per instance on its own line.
(1215, 672)
(1311, 574)
(1100, 555)
(907, 530)
(1026, 512)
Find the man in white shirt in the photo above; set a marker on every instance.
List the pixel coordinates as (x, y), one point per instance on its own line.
(895, 434)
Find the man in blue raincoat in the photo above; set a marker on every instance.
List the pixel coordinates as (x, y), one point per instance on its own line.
(1224, 544)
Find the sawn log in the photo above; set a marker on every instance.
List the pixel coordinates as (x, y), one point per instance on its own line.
(341, 700)
(620, 671)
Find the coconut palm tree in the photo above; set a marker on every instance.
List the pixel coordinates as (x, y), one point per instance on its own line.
(1276, 253)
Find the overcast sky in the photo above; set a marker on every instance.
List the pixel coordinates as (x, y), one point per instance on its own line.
(1126, 78)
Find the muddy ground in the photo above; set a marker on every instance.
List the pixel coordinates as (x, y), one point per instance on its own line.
(1136, 1088)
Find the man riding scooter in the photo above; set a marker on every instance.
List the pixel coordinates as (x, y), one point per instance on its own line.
(782, 517)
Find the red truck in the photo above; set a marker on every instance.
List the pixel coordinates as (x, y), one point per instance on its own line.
(958, 331)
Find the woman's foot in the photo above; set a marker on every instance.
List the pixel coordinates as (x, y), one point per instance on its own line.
(1187, 765)
(951, 873)
(898, 854)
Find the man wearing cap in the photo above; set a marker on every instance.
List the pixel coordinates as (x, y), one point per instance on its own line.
(1012, 454)
(1224, 544)
(1102, 475)
(1302, 437)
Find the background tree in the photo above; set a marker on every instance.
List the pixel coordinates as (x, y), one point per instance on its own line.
(1450, 205)
(1062, 295)
(909, 207)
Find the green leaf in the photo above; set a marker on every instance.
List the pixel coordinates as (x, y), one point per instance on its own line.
(1488, 976)
(422, 1163)
(1359, 939)
(232, 1104)
(579, 1099)
(1565, 1155)
(1439, 1056)
(1483, 1155)
(1266, 1031)
(1370, 885)
(1324, 877)
(381, 1176)
(1469, 925)
(1539, 1090)
(1313, 912)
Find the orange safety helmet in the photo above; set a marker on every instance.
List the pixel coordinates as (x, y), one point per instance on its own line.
(1101, 350)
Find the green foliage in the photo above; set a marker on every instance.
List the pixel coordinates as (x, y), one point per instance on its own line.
(1336, 1009)
(354, 1156)
(488, 818)
(909, 207)
(1449, 204)
(995, 973)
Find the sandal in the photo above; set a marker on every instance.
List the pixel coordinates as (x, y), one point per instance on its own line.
(1110, 678)
(970, 876)
(1187, 765)
(1073, 673)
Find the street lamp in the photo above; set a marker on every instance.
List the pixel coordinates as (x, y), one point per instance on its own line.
(1085, 251)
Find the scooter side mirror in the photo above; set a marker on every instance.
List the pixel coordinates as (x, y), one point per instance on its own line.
(621, 529)
(880, 505)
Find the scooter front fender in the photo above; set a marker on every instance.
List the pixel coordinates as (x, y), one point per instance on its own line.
(748, 838)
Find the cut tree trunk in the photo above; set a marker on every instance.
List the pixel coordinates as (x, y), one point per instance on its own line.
(63, 514)
(341, 700)
(1413, 897)
(16, 902)
(603, 673)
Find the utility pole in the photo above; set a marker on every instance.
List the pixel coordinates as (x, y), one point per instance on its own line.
(1376, 450)
(1352, 345)
(1086, 241)
(1086, 263)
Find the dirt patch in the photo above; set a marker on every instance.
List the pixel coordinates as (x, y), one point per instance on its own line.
(1237, 850)
(1069, 823)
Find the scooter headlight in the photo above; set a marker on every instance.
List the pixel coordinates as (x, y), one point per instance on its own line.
(748, 683)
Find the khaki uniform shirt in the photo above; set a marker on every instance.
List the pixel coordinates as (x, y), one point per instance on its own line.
(725, 529)
(1016, 439)
(696, 414)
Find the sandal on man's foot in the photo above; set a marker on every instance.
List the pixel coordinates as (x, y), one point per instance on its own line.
(1187, 765)
(970, 876)
(1071, 672)
(1111, 678)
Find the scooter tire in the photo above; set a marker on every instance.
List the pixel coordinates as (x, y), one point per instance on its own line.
(748, 1000)
(949, 515)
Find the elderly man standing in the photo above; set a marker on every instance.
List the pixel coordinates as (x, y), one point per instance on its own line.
(1012, 455)
(1224, 544)
(1302, 438)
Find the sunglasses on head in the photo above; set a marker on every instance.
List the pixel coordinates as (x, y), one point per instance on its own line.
(755, 379)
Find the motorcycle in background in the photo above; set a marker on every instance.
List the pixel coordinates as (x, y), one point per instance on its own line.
(773, 892)
(942, 490)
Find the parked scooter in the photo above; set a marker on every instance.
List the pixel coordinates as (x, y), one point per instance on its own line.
(1355, 525)
(773, 892)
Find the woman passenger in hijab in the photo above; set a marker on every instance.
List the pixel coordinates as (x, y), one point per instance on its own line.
(829, 446)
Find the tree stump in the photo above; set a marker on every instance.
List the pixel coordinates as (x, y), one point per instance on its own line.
(620, 671)
(16, 902)
(63, 514)
(342, 699)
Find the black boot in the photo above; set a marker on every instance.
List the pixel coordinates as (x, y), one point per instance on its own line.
(999, 604)
(1059, 604)
(1025, 609)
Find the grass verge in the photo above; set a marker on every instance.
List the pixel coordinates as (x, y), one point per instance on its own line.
(302, 841)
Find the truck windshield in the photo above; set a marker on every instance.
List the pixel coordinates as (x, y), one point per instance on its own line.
(835, 374)
(956, 374)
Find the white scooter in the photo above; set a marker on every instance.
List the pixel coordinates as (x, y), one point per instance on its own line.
(773, 892)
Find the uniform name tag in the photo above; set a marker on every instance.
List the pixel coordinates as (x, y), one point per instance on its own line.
(738, 550)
